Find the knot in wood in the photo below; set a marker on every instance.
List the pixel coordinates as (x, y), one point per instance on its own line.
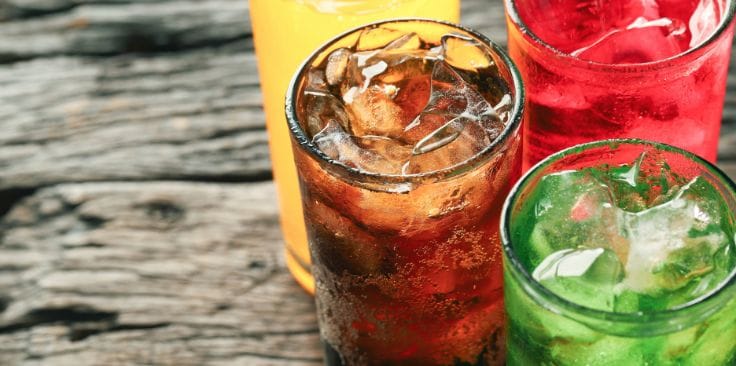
(163, 211)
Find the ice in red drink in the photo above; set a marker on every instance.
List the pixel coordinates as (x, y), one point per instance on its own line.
(652, 69)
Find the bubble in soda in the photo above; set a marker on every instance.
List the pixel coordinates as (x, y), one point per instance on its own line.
(393, 104)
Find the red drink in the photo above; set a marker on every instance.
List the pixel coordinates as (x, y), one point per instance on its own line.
(406, 142)
(652, 69)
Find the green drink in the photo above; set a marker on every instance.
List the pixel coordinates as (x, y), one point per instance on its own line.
(621, 252)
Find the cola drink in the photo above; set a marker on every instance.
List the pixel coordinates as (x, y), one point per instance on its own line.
(406, 141)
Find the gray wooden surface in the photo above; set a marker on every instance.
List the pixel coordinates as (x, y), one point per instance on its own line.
(137, 220)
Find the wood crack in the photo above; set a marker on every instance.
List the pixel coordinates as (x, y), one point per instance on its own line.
(10, 197)
(79, 332)
(12, 10)
(62, 315)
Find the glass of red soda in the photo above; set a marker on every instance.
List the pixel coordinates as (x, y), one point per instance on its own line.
(651, 69)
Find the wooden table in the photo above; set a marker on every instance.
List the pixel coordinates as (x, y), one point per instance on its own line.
(137, 217)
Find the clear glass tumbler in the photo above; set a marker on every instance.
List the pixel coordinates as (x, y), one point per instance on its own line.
(653, 70)
(408, 266)
(626, 289)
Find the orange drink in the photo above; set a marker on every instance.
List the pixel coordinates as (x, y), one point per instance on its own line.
(285, 33)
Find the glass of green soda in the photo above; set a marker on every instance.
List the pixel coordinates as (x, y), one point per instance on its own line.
(621, 252)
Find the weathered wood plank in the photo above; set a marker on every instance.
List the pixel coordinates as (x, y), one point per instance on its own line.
(150, 273)
(113, 27)
(486, 17)
(191, 116)
(729, 168)
(727, 143)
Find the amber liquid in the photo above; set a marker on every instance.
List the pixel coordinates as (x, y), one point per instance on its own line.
(408, 271)
(285, 33)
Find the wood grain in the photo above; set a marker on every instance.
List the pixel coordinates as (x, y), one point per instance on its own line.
(150, 273)
(133, 118)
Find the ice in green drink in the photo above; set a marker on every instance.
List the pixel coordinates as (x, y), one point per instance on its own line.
(621, 252)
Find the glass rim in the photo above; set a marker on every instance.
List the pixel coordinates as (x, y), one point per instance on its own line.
(681, 310)
(513, 14)
(387, 179)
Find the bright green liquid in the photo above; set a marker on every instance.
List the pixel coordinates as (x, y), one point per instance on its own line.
(621, 240)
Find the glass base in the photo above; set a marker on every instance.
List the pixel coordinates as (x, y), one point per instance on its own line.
(332, 358)
(300, 271)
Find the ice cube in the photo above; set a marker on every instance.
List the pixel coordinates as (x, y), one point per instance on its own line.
(504, 107)
(445, 103)
(386, 88)
(388, 148)
(569, 24)
(704, 21)
(375, 113)
(332, 139)
(395, 94)
(454, 110)
(398, 60)
(413, 95)
(630, 190)
(645, 183)
(407, 42)
(340, 146)
(321, 105)
(315, 82)
(457, 141)
(583, 276)
(544, 326)
(675, 243)
(597, 265)
(615, 112)
(405, 66)
(381, 37)
(575, 210)
(628, 175)
(440, 137)
(641, 41)
(563, 23)
(464, 53)
(539, 246)
(337, 64)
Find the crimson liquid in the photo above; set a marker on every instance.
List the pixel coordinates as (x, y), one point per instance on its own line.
(651, 69)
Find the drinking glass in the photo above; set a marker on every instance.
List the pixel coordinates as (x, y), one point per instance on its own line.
(580, 328)
(407, 266)
(599, 70)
